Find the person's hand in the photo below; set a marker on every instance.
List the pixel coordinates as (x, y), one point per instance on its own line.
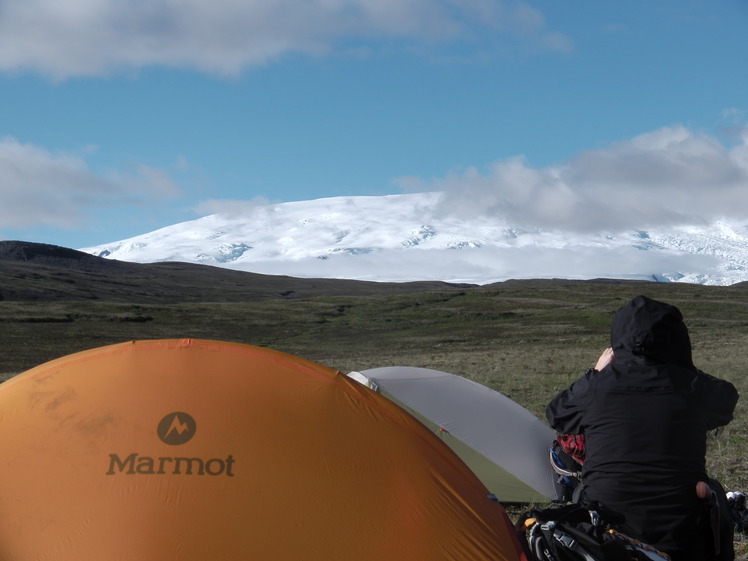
(605, 359)
(702, 490)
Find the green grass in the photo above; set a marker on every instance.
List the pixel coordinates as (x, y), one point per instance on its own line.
(525, 339)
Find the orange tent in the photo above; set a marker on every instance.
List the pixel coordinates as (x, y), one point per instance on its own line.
(203, 450)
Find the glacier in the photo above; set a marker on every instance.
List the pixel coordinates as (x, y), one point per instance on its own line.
(409, 237)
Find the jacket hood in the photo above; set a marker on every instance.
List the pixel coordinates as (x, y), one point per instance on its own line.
(652, 330)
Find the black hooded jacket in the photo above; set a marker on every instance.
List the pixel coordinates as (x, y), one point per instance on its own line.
(645, 419)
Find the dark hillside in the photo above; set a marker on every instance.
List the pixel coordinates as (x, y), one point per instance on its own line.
(52, 255)
(43, 272)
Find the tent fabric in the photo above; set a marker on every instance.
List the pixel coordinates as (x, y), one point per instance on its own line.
(193, 450)
(502, 442)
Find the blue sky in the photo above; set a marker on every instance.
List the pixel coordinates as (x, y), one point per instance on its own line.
(118, 117)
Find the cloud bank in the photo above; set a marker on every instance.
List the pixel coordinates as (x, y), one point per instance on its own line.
(59, 190)
(668, 177)
(486, 265)
(672, 176)
(91, 37)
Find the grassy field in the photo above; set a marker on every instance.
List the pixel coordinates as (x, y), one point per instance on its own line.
(526, 339)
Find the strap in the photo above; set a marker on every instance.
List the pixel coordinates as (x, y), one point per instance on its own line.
(568, 542)
(559, 468)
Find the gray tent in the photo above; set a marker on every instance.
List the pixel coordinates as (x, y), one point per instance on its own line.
(505, 445)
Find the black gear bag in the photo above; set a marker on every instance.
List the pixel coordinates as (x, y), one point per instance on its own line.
(575, 533)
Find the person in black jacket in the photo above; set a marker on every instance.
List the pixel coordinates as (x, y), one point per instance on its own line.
(645, 411)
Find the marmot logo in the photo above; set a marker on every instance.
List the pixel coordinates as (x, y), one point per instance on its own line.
(176, 428)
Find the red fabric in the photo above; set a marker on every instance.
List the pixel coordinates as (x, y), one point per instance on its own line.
(573, 445)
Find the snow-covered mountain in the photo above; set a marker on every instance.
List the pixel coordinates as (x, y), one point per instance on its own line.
(410, 237)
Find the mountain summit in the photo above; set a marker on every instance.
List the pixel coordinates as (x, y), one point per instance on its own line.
(411, 237)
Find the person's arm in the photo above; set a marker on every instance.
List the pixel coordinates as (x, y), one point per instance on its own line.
(564, 412)
(720, 397)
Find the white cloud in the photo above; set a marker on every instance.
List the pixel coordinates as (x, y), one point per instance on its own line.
(42, 188)
(733, 115)
(230, 208)
(64, 38)
(666, 177)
